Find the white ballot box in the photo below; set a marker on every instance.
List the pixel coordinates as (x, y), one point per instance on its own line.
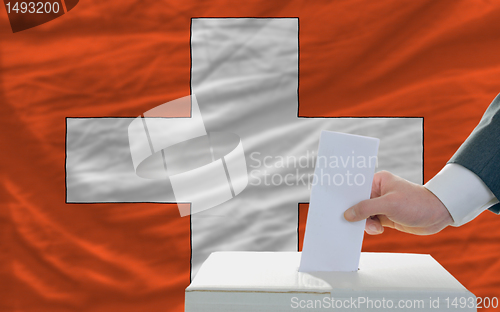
(270, 281)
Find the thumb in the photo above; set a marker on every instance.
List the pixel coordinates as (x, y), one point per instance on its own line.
(367, 208)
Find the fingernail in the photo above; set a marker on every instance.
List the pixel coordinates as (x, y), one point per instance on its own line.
(373, 228)
(351, 214)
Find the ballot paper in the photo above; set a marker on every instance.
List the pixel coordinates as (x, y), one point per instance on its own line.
(343, 177)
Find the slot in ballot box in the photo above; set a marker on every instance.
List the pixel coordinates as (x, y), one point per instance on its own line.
(270, 281)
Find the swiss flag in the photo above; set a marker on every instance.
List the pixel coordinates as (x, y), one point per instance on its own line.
(118, 59)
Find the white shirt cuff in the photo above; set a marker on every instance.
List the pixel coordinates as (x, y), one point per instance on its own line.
(462, 192)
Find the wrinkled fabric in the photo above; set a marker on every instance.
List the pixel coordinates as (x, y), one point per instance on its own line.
(432, 59)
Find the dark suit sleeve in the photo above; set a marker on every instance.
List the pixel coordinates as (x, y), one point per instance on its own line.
(480, 153)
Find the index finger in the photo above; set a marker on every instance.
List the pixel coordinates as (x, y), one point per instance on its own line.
(367, 208)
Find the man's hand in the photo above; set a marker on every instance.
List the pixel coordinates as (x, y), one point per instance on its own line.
(402, 205)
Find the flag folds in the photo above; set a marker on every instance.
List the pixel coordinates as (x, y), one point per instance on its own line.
(81, 231)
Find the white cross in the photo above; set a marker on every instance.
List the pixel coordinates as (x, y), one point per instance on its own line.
(245, 76)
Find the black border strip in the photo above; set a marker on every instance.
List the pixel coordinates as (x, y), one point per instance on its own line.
(298, 223)
(66, 161)
(191, 94)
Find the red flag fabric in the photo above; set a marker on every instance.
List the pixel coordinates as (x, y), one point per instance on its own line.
(433, 59)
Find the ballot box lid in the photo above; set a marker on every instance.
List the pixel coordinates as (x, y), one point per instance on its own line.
(248, 279)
